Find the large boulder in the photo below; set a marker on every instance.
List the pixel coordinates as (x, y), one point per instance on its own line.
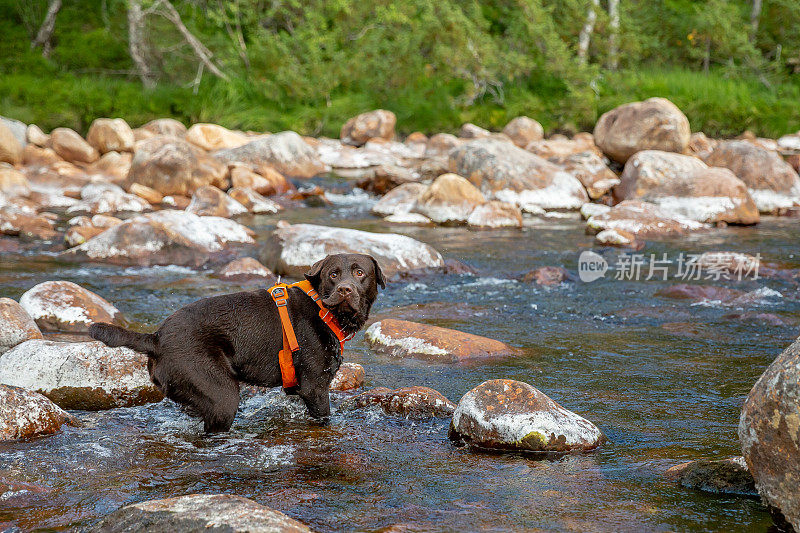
(769, 431)
(510, 174)
(110, 135)
(642, 219)
(172, 166)
(25, 414)
(214, 137)
(16, 325)
(408, 402)
(165, 238)
(508, 415)
(80, 375)
(211, 201)
(524, 130)
(655, 124)
(10, 147)
(687, 186)
(399, 200)
(72, 147)
(448, 200)
(379, 123)
(291, 250)
(66, 306)
(400, 338)
(199, 512)
(772, 182)
(286, 152)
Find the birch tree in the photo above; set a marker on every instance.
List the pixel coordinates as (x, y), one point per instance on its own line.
(586, 32)
(613, 46)
(44, 37)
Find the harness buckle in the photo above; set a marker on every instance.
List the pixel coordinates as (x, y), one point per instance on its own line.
(278, 292)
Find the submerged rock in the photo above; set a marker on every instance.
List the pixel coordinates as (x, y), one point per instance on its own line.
(286, 152)
(769, 431)
(199, 512)
(291, 250)
(16, 325)
(547, 276)
(643, 220)
(25, 414)
(400, 338)
(66, 306)
(508, 415)
(360, 129)
(409, 402)
(349, 376)
(725, 476)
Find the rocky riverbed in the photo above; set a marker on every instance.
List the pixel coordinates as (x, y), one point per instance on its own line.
(569, 404)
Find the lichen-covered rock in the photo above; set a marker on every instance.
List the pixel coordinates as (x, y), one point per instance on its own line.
(508, 415)
(524, 130)
(210, 201)
(173, 166)
(374, 124)
(110, 135)
(399, 200)
(400, 338)
(349, 376)
(687, 186)
(66, 306)
(408, 402)
(254, 202)
(508, 173)
(80, 375)
(642, 219)
(772, 182)
(165, 238)
(291, 250)
(16, 325)
(495, 214)
(72, 147)
(199, 512)
(246, 268)
(655, 124)
(448, 200)
(25, 414)
(10, 147)
(724, 476)
(214, 137)
(769, 431)
(286, 152)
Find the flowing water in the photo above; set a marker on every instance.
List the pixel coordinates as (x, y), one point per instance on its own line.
(663, 378)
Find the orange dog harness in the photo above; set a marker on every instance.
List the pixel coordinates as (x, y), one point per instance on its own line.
(280, 293)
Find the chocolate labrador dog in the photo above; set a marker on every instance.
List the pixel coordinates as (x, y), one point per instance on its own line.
(200, 353)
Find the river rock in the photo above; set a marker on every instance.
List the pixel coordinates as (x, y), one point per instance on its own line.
(20, 222)
(441, 144)
(524, 130)
(700, 292)
(772, 182)
(547, 276)
(34, 156)
(113, 165)
(77, 235)
(71, 146)
(591, 170)
(400, 338)
(687, 186)
(619, 238)
(769, 434)
(165, 126)
(165, 238)
(244, 269)
(409, 402)
(643, 220)
(25, 414)
(510, 174)
(34, 135)
(172, 166)
(110, 135)
(286, 152)
(146, 193)
(80, 375)
(399, 200)
(508, 415)
(253, 202)
(448, 200)
(558, 147)
(10, 147)
(199, 512)
(349, 376)
(655, 124)
(18, 129)
(291, 250)
(495, 214)
(16, 325)
(66, 306)
(725, 476)
(213, 137)
(374, 124)
(106, 198)
(264, 180)
(13, 182)
(210, 201)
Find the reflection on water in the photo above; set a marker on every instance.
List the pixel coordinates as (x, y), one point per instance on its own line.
(663, 378)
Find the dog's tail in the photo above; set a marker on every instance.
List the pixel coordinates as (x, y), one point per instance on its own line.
(115, 336)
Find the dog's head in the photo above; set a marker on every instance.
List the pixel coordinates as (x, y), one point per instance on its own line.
(348, 286)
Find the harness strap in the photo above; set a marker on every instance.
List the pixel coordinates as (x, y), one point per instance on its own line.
(280, 294)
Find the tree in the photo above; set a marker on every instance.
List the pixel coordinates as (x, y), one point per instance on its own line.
(613, 46)
(586, 31)
(44, 36)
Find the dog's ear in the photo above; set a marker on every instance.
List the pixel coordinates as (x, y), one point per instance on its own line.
(315, 271)
(379, 279)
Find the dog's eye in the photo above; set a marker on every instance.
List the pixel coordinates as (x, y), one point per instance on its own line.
(334, 275)
(359, 272)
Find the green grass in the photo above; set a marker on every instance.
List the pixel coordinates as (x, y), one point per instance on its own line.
(715, 104)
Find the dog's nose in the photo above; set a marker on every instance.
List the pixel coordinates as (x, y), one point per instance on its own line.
(344, 290)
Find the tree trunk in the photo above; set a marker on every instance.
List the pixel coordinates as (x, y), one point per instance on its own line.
(45, 35)
(613, 47)
(586, 32)
(136, 44)
(755, 15)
